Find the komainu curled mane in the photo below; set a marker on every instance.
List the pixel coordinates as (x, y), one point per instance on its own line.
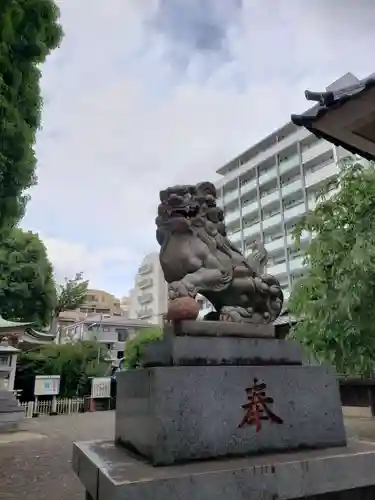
(197, 257)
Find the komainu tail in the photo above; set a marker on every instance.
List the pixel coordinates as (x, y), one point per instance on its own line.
(257, 260)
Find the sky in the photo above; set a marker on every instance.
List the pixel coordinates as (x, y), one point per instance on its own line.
(143, 94)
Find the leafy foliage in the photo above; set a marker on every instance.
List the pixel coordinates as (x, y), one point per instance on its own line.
(75, 363)
(133, 347)
(27, 290)
(71, 294)
(336, 299)
(29, 31)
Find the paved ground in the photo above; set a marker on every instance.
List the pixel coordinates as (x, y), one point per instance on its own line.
(36, 464)
(40, 468)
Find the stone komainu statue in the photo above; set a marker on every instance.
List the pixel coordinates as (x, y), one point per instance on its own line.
(197, 257)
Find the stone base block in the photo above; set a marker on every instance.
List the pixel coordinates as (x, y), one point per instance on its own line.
(176, 414)
(221, 329)
(11, 413)
(111, 473)
(199, 350)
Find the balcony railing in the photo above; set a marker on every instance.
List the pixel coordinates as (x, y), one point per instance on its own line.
(145, 283)
(277, 269)
(269, 198)
(272, 221)
(145, 269)
(317, 149)
(295, 211)
(267, 176)
(232, 216)
(146, 298)
(276, 244)
(250, 208)
(235, 237)
(269, 152)
(296, 264)
(291, 188)
(289, 164)
(321, 174)
(232, 195)
(251, 230)
(145, 313)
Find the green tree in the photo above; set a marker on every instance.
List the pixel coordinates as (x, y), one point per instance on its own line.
(29, 31)
(27, 290)
(335, 301)
(70, 295)
(74, 362)
(133, 347)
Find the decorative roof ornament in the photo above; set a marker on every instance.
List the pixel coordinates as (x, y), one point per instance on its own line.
(344, 116)
(4, 341)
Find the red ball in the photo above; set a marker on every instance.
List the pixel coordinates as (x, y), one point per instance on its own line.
(183, 308)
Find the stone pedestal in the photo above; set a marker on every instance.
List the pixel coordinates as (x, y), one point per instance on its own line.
(207, 414)
(11, 413)
(175, 414)
(110, 472)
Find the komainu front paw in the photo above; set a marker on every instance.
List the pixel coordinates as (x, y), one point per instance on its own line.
(178, 289)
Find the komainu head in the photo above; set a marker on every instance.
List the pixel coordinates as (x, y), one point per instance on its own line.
(183, 206)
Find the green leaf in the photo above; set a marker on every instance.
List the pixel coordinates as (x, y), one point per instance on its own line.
(29, 31)
(27, 289)
(133, 347)
(335, 300)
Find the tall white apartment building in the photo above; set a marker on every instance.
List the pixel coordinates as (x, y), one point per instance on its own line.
(266, 190)
(149, 297)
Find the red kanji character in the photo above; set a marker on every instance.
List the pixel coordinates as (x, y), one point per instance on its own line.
(256, 408)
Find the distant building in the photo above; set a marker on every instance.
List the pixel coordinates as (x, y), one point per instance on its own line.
(149, 297)
(205, 306)
(101, 302)
(125, 306)
(111, 332)
(268, 188)
(97, 302)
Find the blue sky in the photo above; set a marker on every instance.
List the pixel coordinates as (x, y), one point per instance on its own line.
(146, 93)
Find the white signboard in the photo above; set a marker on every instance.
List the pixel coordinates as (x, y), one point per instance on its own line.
(101, 387)
(47, 385)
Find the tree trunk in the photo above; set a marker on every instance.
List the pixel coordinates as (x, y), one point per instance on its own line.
(53, 329)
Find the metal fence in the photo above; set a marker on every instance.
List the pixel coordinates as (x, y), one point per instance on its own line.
(64, 406)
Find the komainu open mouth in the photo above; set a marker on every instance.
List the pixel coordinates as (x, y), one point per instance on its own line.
(185, 212)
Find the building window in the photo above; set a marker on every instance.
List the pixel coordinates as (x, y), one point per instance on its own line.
(120, 354)
(5, 360)
(122, 334)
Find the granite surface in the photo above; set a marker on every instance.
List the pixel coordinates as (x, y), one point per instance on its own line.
(176, 414)
(199, 350)
(111, 473)
(220, 329)
(11, 413)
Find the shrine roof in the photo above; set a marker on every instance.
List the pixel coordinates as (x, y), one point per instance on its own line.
(329, 101)
(4, 323)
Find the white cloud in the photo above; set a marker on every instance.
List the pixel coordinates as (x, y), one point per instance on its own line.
(126, 114)
(71, 257)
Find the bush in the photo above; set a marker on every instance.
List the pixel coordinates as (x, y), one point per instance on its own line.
(133, 347)
(75, 363)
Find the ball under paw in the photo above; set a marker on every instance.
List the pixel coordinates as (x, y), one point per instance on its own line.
(182, 308)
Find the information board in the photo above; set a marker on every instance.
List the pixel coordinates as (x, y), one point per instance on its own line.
(101, 387)
(47, 385)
